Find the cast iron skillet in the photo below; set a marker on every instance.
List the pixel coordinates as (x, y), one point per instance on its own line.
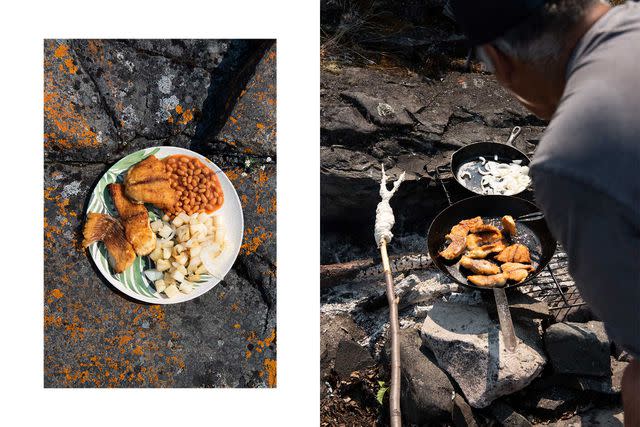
(470, 153)
(535, 234)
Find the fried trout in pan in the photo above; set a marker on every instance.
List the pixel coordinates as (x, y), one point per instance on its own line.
(104, 228)
(517, 275)
(483, 228)
(471, 223)
(515, 253)
(509, 225)
(483, 238)
(479, 266)
(486, 250)
(510, 266)
(135, 219)
(516, 271)
(458, 238)
(148, 182)
(494, 280)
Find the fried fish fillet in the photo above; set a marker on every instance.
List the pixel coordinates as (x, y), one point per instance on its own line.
(510, 266)
(483, 228)
(517, 276)
(479, 266)
(148, 182)
(509, 225)
(486, 250)
(488, 281)
(515, 253)
(135, 219)
(483, 238)
(104, 228)
(472, 222)
(458, 238)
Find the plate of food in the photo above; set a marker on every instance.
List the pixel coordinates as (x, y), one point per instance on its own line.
(164, 225)
(479, 243)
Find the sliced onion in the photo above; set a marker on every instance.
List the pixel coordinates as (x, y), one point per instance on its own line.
(153, 275)
(504, 178)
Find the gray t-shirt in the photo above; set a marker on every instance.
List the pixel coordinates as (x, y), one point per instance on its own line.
(586, 171)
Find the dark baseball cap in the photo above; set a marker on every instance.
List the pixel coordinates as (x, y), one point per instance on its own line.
(484, 20)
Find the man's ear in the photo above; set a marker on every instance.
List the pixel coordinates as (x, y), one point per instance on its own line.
(503, 65)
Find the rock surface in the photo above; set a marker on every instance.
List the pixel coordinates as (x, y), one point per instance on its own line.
(426, 391)
(550, 402)
(350, 357)
(334, 330)
(107, 98)
(595, 417)
(507, 416)
(94, 336)
(578, 348)
(469, 346)
(251, 127)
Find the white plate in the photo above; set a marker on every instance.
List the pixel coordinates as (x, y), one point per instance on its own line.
(132, 281)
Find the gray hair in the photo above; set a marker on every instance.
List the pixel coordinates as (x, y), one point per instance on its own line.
(541, 37)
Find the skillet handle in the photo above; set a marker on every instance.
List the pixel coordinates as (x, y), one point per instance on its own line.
(514, 134)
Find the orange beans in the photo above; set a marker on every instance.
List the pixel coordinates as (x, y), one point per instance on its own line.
(197, 187)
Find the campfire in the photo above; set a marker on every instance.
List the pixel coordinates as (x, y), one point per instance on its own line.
(502, 355)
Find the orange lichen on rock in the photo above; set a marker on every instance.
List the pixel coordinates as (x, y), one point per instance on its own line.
(253, 239)
(54, 295)
(270, 368)
(62, 215)
(259, 345)
(75, 329)
(62, 52)
(61, 112)
(187, 116)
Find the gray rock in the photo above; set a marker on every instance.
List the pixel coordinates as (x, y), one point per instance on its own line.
(578, 348)
(344, 125)
(507, 416)
(470, 347)
(379, 111)
(74, 116)
(549, 402)
(251, 127)
(426, 391)
(608, 417)
(606, 385)
(207, 54)
(333, 330)
(107, 98)
(350, 357)
(146, 95)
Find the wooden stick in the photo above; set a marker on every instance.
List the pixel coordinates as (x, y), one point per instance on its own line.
(394, 330)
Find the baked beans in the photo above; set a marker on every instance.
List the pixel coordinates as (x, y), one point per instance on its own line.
(197, 186)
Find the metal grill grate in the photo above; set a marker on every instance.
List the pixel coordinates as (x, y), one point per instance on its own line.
(553, 285)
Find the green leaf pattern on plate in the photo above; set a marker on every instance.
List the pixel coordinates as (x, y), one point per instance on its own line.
(133, 278)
